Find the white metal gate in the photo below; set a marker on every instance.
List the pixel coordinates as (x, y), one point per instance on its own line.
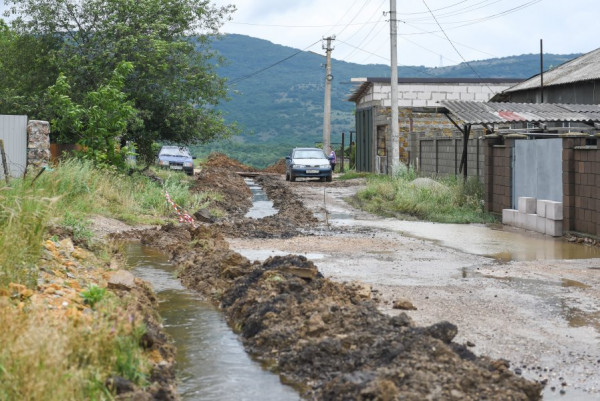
(537, 170)
(13, 131)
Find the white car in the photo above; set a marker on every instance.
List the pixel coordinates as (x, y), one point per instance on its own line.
(307, 162)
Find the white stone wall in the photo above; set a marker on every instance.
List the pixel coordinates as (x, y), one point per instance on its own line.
(423, 95)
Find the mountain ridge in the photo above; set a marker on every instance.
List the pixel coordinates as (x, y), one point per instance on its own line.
(277, 92)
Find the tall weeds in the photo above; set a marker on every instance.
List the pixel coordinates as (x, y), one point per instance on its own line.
(445, 200)
(66, 196)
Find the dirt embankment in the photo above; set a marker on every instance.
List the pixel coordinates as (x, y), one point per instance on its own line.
(328, 339)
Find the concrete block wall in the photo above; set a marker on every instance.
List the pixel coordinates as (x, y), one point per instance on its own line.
(442, 155)
(498, 173)
(547, 220)
(581, 184)
(428, 94)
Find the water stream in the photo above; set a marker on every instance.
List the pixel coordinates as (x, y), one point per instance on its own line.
(261, 205)
(211, 361)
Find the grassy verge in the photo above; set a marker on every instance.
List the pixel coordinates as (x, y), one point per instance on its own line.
(351, 174)
(67, 356)
(445, 200)
(66, 196)
(65, 334)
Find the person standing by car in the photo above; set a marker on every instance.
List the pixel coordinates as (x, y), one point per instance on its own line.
(332, 159)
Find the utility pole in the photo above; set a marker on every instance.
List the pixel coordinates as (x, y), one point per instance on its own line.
(327, 110)
(393, 160)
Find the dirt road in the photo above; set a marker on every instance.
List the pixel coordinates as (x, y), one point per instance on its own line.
(543, 316)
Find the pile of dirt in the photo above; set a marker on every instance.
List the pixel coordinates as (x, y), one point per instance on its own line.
(291, 215)
(236, 195)
(220, 160)
(220, 174)
(276, 168)
(327, 338)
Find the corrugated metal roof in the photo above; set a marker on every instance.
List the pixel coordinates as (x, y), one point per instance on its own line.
(498, 113)
(583, 68)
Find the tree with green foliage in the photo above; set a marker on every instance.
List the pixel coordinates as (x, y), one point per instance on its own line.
(100, 122)
(24, 72)
(173, 84)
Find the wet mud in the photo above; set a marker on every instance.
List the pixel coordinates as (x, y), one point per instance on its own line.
(328, 339)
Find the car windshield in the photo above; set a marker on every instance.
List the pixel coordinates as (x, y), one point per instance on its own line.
(309, 154)
(174, 151)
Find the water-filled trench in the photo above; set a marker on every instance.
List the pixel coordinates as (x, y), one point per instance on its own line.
(211, 361)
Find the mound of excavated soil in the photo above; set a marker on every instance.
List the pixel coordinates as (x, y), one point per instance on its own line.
(328, 338)
(220, 160)
(236, 195)
(276, 168)
(220, 175)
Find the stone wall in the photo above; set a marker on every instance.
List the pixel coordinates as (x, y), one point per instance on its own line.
(38, 144)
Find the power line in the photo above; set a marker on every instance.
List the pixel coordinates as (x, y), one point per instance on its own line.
(454, 47)
(244, 77)
(370, 31)
(479, 20)
(386, 59)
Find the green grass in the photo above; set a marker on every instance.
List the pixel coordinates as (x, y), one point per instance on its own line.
(68, 196)
(351, 174)
(445, 200)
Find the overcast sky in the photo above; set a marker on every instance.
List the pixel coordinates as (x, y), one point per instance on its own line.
(461, 30)
(465, 29)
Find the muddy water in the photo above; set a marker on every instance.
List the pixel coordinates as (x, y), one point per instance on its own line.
(261, 205)
(500, 242)
(212, 363)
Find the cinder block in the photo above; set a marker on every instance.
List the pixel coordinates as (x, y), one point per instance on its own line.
(527, 205)
(554, 227)
(540, 226)
(531, 222)
(541, 208)
(554, 210)
(521, 220)
(509, 216)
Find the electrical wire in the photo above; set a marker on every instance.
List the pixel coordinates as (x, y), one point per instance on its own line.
(244, 77)
(455, 49)
(387, 59)
(362, 43)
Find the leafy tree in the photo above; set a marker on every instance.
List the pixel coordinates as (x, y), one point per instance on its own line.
(173, 84)
(24, 72)
(100, 122)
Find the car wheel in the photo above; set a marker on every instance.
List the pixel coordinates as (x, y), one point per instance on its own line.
(292, 178)
(287, 176)
(329, 178)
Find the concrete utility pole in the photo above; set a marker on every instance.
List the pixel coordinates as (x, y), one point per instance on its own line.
(327, 109)
(393, 160)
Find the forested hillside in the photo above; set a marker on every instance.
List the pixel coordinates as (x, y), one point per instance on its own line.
(277, 93)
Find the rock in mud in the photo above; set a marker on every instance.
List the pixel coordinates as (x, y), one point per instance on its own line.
(404, 304)
(121, 280)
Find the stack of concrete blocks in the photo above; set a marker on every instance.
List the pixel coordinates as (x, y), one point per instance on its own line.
(543, 216)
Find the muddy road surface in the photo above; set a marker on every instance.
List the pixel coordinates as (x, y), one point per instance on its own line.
(512, 295)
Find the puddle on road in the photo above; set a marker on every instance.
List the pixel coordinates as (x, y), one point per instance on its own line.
(499, 242)
(211, 361)
(261, 205)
